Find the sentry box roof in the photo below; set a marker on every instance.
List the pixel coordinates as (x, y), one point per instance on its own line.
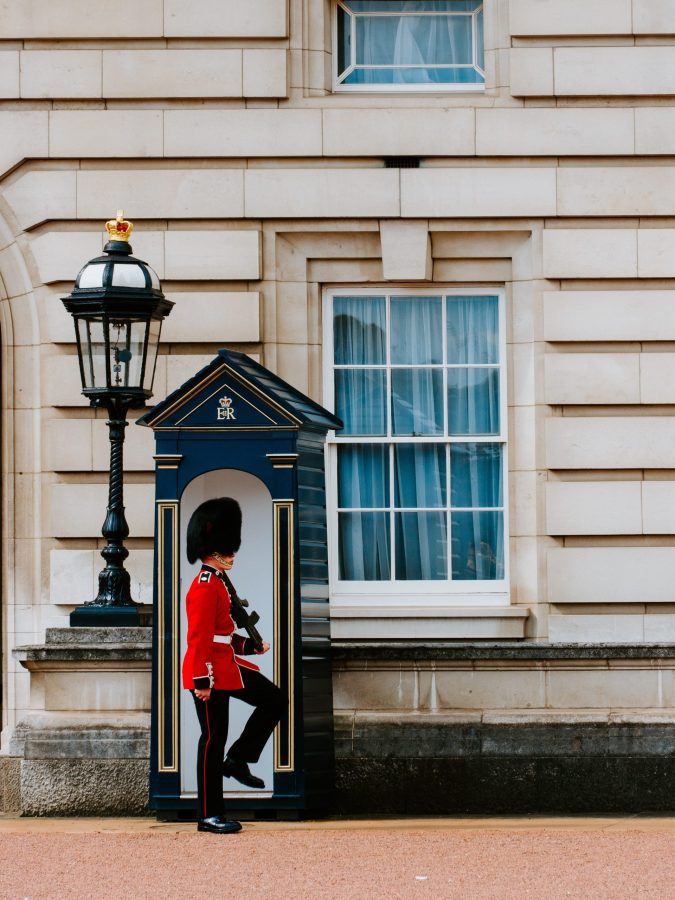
(235, 393)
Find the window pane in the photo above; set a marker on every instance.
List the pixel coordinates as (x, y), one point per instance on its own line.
(419, 475)
(360, 400)
(363, 476)
(422, 75)
(476, 475)
(473, 401)
(414, 40)
(417, 401)
(344, 39)
(477, 546)
(364, 546)
(396, 6)
(359, 325)
(416, 330)
(473, 330)
(421, 546)
(480, 51)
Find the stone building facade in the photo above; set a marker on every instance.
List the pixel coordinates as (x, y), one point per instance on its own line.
(285, 162)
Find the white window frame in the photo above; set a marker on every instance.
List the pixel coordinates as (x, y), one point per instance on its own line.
(340, 87)
(400, 593)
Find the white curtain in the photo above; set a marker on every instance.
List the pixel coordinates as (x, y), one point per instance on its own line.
(408, 40)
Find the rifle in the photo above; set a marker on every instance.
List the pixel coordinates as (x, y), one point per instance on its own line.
(243, 618)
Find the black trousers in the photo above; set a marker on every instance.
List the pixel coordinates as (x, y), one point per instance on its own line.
(270, 705)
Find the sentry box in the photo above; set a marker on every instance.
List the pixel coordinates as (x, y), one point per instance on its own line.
(237, 430)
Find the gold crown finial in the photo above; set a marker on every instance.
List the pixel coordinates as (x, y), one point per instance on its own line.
(119, 229)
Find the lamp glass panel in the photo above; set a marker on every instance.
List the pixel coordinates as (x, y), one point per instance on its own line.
(92, 343)
(128, 276)
(154, 331)
(92, 276)
(127, 340)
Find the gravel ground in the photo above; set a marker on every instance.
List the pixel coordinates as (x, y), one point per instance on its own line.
(444, 859)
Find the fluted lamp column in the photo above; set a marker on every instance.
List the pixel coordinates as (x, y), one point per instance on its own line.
(118, 307)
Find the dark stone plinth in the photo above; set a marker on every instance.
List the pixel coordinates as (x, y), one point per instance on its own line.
(445, 768)
(521, 651)
(119, 645)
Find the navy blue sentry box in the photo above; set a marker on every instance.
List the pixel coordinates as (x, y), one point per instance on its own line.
(236, 429)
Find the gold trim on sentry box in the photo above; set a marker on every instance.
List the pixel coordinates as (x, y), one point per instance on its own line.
(164, 764)
(286, 505)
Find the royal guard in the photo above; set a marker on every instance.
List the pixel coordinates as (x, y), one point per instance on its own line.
(213, 667)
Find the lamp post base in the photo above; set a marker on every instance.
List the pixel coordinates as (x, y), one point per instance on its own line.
(105, 617)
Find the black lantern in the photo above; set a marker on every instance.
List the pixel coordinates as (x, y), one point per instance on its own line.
(118, 306)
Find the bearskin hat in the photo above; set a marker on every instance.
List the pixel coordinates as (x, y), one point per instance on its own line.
(214, 526)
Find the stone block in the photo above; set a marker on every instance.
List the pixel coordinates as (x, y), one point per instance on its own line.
(659, 628)
(23, 133)
(601, 689)
(406, 250)
(201, 255)
(614, 71)
(554, 132)
(653, 17)
(657, 374)
(398, 132)
(603, 507)
(604, 629)
(10, 785)
(382, 689)
(16, 279)
(578, 378)
(242, 132)
(590, 253)
(616, 191)
(192, 317)
(210, 18)
(531, 71)
(655, 130)
(292, 313)
(656, 253)
(608, 316)
(61, 382)
(71, 572)
(60, 74)
(611, 575)
(59, 255)
(86, 505)
(9, 74)
(493, 191)
(530, 18)
(617, 442)
(491, 689)
(321, 193)
(114, 133)
(140, 566)
(180, 368)
(68, 445)
(265, 73)
(162, 194)
(42, 19)
(172, 73)
(658, 507)
(38, 196)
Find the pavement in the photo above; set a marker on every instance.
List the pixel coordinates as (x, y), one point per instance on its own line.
(476, 858)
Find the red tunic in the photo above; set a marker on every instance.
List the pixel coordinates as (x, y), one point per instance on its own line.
(206, 662)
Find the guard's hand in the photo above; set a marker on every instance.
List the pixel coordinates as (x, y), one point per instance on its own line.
(203, 694)
(265, 648)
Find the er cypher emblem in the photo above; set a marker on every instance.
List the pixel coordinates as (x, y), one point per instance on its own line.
(225, 409)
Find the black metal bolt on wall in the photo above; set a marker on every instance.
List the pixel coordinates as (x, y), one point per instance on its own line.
(118, 307)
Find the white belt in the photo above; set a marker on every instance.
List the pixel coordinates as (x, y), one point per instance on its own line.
(222, 638)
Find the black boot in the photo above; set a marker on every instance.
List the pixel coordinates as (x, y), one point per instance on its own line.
(240, 771)
(218, 825)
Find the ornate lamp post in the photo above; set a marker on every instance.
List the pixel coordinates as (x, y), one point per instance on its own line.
(117, 306)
